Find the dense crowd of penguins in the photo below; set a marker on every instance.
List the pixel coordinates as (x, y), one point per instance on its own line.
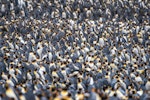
(74, 50)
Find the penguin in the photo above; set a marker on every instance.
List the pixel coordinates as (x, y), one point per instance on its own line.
(135, 50)
(54, 74)
(11, 93)
(50, 56)
(29, 76)
(140, 92)
(35, 63)
(22, 96)
(41, 71)
(138, 79)
(64, 73)
(120, 95)
(37, 75)
(147, 85)
(93, 95)
(64, 92)
(4, 76)
(101, 42)
(3, 9)
(80, 85)
(79, 96)
(39, 51)
(31, 57)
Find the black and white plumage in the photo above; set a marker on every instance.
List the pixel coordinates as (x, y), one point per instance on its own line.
(74, 49)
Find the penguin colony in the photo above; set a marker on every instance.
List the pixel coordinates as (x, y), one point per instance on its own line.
(74, 50)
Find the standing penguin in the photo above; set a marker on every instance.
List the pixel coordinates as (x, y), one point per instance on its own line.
(10, 92)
